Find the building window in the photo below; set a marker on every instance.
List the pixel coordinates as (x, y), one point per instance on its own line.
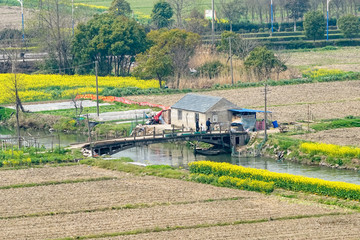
(215, 118)
(179, 114)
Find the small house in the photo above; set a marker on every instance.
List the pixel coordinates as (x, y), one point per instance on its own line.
(194, 107)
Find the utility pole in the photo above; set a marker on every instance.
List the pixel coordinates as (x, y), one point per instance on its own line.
(97, 89)
(272, 18)
(72, 16)
(231, 63)
(265, 114)
(89, 132)
(327, 20)
(22, 19)
(213, 23)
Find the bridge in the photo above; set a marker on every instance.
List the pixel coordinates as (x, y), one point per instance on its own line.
(218, 138)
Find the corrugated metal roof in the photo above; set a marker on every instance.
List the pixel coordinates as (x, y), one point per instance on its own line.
(244, 110)
(196, 103)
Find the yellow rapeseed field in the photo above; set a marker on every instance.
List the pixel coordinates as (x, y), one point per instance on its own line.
(282, 180)
(330, 150)
(48, 87)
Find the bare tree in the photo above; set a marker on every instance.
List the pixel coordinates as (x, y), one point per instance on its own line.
(179, 6)
(54, 20)
(283, 58)
(231, 10)
(12, 49)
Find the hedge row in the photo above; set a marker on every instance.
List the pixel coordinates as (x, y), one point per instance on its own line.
(311, 44)
(232, 182)
(282, 180)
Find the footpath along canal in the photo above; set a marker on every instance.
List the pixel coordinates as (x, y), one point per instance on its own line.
(179, 155)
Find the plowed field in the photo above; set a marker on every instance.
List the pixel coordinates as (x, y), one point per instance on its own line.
(157, 206)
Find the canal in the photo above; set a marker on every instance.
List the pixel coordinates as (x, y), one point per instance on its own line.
(179, 155)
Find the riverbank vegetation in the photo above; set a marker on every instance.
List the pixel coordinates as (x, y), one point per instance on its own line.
(281, 180)
(12, 157)
(306, 152)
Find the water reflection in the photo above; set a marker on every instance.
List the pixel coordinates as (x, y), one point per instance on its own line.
(179, 156)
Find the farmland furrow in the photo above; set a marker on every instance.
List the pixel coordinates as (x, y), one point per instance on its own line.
(94, 195)
(161, 216)
(327, 227)
(40, 175)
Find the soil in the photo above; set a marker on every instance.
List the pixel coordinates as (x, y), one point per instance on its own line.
(342, 136)
(11, 17)
(335, 227)
(188, 204)
(288, 103)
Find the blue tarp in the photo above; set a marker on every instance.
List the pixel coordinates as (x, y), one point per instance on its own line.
(244, 110)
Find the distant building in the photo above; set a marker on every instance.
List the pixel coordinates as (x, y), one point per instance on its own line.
(201, 107)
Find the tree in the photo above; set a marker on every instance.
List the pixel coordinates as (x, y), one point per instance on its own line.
(178, 7)
(314, 25)
(120, 8)
(161, 14)
(113, 42)
(196, 22)
(231, 10)
(240, 47)
(349, 26)
(54, 18)
(154, 63)
(262, 62)
(297, 8)
(173, 49)
(11, 48)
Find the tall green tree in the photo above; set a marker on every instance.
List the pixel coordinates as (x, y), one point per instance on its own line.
(120, 8)
(297, 9)
(314, 25)
(349, 26)
(161, 14)
(262, 62)
(113, 42)
(154, 63)
(170, 53)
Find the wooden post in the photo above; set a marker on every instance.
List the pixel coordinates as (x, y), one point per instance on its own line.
(154, 132)
(163, 133)
(134, 135)
(220, 127)
(183, 128)
(173, 130)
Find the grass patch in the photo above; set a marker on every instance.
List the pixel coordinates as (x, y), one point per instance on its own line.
(26, 185)
(347, 122)
(123, 166)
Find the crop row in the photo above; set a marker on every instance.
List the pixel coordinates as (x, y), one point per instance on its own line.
(282, 180)
(330, 150)
(232, 182)
(45, 87)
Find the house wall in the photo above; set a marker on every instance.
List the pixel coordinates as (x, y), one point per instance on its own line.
(188, 119)
(218, 114)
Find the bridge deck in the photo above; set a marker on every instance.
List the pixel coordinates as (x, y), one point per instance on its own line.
(115, 145)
